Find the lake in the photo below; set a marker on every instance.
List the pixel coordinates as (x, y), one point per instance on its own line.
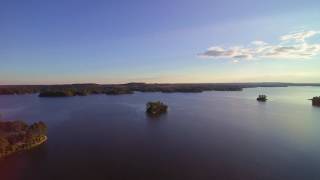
(204, 136)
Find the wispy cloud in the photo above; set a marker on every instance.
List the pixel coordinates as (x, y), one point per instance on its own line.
(299, 36)
(290, 46)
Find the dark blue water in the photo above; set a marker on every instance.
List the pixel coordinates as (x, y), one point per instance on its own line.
(210, 135)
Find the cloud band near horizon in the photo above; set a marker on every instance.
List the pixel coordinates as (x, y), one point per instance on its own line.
(290, 46)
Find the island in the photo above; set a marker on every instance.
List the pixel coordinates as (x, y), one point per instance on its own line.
(16, 136)
(316, 101)
(262, 98)
(156, 108)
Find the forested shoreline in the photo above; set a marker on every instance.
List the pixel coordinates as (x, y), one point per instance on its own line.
(129, 88)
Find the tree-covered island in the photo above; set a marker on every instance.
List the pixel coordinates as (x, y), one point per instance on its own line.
(316, 101)
(262, 98)
(156, 108)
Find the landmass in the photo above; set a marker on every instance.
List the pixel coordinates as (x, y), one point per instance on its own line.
(68, 90)
(119, 90)
(16, 136)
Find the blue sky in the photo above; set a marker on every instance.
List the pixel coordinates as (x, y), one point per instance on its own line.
(80, 41)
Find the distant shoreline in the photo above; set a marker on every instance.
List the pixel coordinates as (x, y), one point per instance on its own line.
(68, 90)
(116, 84)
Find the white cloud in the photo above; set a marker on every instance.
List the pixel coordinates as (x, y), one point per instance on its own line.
(291, 46)
(299, 36)
(259, 43)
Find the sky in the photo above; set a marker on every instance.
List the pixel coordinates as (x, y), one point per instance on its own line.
(164, 41)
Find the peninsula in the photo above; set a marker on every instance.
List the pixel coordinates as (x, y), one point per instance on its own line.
(16, 136)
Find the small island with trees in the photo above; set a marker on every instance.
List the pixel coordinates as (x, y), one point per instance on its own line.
(316, 101)
(16, 136)
(262, 98)
(156, 108)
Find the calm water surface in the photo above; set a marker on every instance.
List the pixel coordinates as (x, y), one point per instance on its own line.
(210, 135)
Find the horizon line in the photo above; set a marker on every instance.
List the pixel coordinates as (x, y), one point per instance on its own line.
(84, 83)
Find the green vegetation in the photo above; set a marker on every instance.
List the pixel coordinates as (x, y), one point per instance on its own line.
(118, 90)
(182, 88)
(17, 136)
(10, 90)
(156, 108)
(316, 101)
(56, 94)
(71, 90)
(262, 98)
